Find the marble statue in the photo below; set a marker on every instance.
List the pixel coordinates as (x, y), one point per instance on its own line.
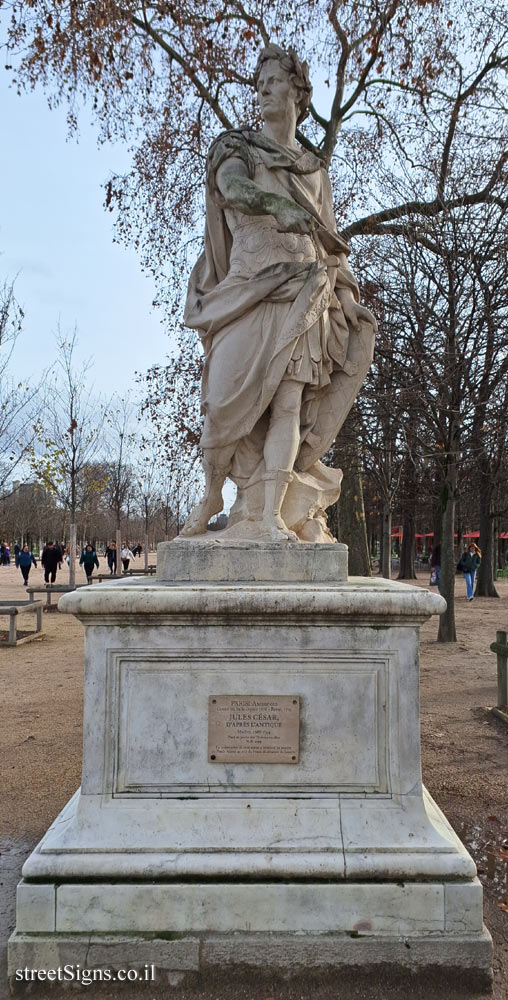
(287, 344)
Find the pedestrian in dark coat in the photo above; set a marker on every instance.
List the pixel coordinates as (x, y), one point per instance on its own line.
(88, 561)
(51, 559)
(25, 559)
(112, 557)
(468, 563)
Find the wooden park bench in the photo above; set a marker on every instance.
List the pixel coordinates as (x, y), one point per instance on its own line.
(56, 588)
(15, 608)
(500, 646)
(150, 571)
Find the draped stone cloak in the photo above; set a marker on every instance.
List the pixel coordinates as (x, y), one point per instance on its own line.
(264, 305)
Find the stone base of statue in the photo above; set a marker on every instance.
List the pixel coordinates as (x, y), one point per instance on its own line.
(251, 789)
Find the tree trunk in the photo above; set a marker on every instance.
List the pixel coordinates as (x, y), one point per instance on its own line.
(435, 526)
(447, 631)
(485, 586)
(407, 552)
(147, 545)
(352, 531)
(352, 528)
(386, 542)
(409, 494)
(72, 555)
(332, 516)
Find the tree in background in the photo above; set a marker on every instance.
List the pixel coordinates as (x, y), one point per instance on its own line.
(166, 76)
(347, 517)
(444, 294)
(21, 403)
(168, 483)
(72, 437)
(122, 451)
(486, 379)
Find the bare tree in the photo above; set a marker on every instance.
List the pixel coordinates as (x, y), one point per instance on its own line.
(121, 483)
(446, 290)
(21, 402)
(72, 439)
(350, 510)
(168, 75)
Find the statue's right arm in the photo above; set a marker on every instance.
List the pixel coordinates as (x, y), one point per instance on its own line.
(240, 192)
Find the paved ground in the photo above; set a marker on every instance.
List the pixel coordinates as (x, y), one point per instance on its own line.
(465, 763)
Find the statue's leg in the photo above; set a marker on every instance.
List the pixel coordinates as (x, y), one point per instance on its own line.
(280, 451)
(216, 466)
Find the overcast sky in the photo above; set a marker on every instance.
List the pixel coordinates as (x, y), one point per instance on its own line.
(56, 240)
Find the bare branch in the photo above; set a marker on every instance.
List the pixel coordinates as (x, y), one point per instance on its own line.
(372, 224)
(189, 71)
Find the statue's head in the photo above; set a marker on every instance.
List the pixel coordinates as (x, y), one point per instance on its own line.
(296, 71)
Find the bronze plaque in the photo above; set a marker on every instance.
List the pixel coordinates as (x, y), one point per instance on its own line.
(253, 729)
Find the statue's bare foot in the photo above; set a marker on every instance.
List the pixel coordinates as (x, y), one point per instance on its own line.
(274, 529)
(198, 518)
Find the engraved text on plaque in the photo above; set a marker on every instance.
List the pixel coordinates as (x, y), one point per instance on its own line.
(253, 729)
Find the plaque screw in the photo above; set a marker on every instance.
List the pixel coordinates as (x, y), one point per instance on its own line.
(214, 701)
(293, 758)
(295, 701)
(212, 756)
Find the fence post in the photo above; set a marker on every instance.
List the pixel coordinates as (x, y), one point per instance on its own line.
(12, 629)
(501, 648)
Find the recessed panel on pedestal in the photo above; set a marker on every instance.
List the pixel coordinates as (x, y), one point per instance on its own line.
(335, 709)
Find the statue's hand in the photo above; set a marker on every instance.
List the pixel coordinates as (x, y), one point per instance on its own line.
(292, 218)
(356, 314)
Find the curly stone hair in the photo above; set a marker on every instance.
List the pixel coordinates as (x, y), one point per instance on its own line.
(298, 72)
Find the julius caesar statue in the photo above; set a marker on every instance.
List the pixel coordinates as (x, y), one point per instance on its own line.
(287, 344)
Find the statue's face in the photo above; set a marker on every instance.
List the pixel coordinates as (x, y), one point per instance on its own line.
(276, 92)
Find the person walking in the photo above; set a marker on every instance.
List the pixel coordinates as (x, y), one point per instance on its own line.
(51, 559)
(88, 561)
(468, 564)
(17, 550)
(25, 559)
(112, 558)
(435, 564)
(126, 556)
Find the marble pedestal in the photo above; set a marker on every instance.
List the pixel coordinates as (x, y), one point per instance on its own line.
(164, 856)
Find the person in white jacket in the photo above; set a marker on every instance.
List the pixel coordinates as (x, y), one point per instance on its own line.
(126, 556)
